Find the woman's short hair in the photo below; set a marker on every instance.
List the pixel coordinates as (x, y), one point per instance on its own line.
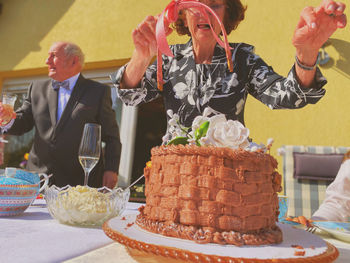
(234, 14)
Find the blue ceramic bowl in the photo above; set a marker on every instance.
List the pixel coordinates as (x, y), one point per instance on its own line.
(18, 192)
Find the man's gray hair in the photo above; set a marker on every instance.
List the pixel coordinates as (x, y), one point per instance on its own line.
(72, 49)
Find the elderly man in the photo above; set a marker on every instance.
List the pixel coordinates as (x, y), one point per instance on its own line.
(58, 108)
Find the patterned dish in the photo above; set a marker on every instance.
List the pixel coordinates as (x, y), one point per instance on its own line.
(19, 191)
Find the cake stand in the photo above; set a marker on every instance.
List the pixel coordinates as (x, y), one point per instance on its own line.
(297, 246)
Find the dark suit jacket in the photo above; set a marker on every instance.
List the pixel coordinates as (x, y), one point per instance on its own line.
(56, 144)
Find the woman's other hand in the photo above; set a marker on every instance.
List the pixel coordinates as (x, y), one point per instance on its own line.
(144, 38)
(315, 26)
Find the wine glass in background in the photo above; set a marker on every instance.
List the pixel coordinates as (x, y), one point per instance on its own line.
(90, 148)
(8, 103)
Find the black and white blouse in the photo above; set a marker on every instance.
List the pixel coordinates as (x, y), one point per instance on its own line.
(189, 87)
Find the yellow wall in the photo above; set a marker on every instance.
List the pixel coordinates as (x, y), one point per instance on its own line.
(101, 27)
(103, 30)
(269, 25)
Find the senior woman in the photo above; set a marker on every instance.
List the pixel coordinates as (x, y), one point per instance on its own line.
(197, 76)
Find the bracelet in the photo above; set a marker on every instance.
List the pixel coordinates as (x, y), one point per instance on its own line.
(304, 66)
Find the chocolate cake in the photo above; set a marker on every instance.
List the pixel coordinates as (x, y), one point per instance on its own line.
(212, 195)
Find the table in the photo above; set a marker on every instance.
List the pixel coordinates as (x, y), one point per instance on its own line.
(35, 236)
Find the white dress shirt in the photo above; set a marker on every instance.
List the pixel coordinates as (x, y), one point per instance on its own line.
(64, 95)
(336, 206)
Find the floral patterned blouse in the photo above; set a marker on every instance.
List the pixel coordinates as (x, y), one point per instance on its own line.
(189, 87)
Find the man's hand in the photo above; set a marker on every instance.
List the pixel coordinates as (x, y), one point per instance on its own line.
(6, 114)
(110, 179)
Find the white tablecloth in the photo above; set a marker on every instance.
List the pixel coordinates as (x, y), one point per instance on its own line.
(36, 237)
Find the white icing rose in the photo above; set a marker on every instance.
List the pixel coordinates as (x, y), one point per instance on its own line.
(226, 133)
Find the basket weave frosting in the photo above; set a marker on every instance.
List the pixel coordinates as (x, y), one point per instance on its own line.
(211, 194)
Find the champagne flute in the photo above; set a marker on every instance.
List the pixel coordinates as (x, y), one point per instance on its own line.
(90, 148)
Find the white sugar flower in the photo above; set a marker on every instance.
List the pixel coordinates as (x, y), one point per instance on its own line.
(173, 121)
(170, 113)
(197, 122)
(215, 130)
(223, 133)
(174, 127)
(270, 141)
(166, 138)
(209, 111)
(254, 149)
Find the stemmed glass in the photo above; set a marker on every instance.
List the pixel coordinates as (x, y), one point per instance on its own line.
(90, 148)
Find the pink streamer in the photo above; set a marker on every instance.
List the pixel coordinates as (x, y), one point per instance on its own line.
(170, 15)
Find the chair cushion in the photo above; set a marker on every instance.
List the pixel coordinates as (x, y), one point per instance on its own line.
(316, 166)
(305, 195)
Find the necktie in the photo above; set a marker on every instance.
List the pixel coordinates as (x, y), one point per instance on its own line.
(60, 84)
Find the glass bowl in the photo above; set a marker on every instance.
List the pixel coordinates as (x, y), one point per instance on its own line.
(85, 206)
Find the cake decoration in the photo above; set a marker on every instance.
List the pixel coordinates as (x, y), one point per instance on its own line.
(211, 129)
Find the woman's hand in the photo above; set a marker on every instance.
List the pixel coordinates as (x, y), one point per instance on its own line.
(315, 26)
(144, 38)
